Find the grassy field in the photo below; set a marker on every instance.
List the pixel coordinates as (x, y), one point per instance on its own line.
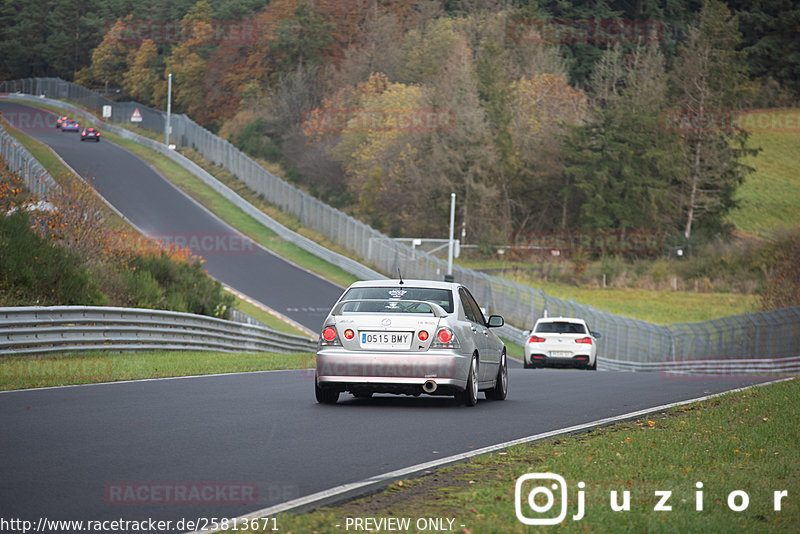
(742, 441)
(660, 307)
(770, 197)
(92, 367)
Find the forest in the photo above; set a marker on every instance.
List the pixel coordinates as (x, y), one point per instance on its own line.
(541, 116)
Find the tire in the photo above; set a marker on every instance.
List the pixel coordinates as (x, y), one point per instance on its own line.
(325, 395)
(593, 367)
(470, 394)
(500, 389)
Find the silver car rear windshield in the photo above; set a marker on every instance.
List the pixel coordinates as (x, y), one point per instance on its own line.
(442, 297)
(560, 327)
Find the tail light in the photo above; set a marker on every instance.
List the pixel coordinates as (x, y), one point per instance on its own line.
(423, 335)
(536, 339)
(587, 340)
(329, 337)
(349, 334)
(445, 339)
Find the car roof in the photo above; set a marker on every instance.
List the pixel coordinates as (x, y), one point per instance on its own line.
(560, 320)
(435, 284)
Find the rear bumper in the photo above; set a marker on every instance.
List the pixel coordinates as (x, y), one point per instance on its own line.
(577, 360)
(392, 372)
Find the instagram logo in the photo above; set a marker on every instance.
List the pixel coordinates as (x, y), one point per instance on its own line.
(533, 503)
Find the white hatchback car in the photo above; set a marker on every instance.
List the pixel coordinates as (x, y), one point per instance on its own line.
(561, 342)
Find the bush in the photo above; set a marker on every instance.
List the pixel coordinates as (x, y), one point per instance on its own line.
(34, 271)
(257, 140)
(183, 286)
(782, 272)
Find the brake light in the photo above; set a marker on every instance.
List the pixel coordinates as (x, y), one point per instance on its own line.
(587, 340)
(329, 334)
(423, 335)
(349, 334)
(444, 335)
(536, 339)
(83, 133)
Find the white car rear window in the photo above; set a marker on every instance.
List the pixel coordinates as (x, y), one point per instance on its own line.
(442, 297)
(560, 327)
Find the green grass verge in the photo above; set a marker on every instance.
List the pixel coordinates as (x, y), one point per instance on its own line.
(768, 199)
(743, 441)
(20, 372)
(267, 318)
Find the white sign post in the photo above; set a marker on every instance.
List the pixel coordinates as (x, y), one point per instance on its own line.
(106, 112)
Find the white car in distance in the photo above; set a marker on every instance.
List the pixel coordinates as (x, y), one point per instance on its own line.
(561, 342)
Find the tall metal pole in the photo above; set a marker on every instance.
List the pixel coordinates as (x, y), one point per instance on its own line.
(450, 243)
(169, 109)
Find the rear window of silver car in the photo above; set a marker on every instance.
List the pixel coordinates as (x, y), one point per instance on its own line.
(560, 327)
(442, 297)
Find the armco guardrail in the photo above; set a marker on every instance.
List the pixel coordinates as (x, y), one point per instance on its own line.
(42, 330)
(21, 162)
(637, 343)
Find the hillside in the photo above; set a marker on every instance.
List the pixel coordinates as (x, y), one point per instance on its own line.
(768, 199)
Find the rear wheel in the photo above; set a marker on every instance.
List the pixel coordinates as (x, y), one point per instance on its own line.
(325, 394)
(470, 394)
(500, 389)
(593, 367)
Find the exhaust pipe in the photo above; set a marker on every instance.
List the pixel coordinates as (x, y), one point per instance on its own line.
(429, 386)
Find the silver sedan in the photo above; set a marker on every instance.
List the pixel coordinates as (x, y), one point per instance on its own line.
(410, 337)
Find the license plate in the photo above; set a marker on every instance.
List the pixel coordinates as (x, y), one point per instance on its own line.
(560, 354)
(386, 340)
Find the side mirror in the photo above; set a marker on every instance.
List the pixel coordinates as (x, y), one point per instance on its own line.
(596, 335)
(526, 333)
(495, 321)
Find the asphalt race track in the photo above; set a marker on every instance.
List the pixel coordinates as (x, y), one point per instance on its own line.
(65, 451)
(161, 210)
(125, 450)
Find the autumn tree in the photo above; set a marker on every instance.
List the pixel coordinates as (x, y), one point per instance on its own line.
(142, 75)
(110, 58)
(188, 62)
(542, 107)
